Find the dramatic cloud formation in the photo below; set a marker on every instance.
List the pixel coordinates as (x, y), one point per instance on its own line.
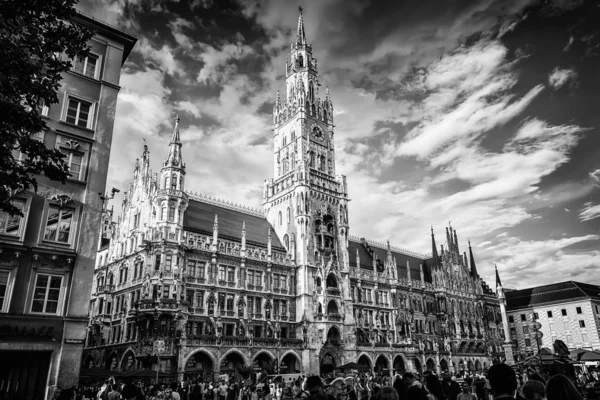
(478, 114)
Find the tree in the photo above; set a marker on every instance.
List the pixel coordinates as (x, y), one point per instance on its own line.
(37, 41)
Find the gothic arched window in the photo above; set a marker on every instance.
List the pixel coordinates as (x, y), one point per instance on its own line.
(286, 242)
(285, 166)
(313, 110)
(312, 159)
(168, 261)
(300, 61)
(280, 219)
(283, 141)
(166, 182)
(307, 107)
(322, 166)
(174, 182)
(325, 115)
(293, 136)
(289, 215)
(311, 92)
(293, 162)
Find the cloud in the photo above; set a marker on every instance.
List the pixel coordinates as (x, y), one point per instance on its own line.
(526, 263)
(218, 62)
(559, 77)
(162, 58)
(589, 212)
(595, 175)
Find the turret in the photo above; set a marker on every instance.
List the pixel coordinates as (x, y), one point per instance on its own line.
(474, 273)
(434, 250)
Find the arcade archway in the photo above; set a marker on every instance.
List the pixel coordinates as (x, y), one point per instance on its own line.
(327, 364)
(382, 365)
(265, 363)
(443, 365)
(430, 364)
(290, 364)
(333, 335)
(477, 366)
(128, 362)
(365, 360)
(231, 364)
(399, 367)
(470, 366)
(418, 366)
(200, 365)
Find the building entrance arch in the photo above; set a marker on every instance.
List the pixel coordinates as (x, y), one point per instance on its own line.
(399, 367)
(443, 365)
(290, 364)
(430, 364)
(418, 366)
(366, 361)
(201, 365)
(231, 364)
(382, 365)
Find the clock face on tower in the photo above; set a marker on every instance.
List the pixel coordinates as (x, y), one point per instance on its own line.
(318, 133)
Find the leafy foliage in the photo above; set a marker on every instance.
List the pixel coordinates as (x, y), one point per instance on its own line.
(37, 42)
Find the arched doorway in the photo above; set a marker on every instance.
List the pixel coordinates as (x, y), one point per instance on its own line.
(470, 365)
(430, 364)
(333, 336)
(477, 366)
(290, 364)
(443, 365)
(199, 365)
(265, 363)
(233, 365)
(327, 364)
(399, 367)
(382, 365)
(364, 360)
(332, 308)
(418, 366)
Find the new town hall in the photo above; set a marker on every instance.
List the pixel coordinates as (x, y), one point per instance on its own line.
(286, 289)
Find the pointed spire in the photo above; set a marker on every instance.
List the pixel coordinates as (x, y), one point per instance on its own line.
(278, 101)
(174, 158)
(408, 278)
(422, 273)
(448, 238)
(300, 34)
(498, 282)
(434, 249)
(455, 240)
(357, 259)
(327, 94)
(472, 262)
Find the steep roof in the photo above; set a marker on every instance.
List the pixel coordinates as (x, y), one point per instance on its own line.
(366, 259)
(200, 217)
(550, 294)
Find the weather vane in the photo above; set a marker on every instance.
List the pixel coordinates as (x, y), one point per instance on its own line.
(300, 9)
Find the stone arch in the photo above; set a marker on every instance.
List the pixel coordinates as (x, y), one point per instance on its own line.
(399, 364)
(382, 364)
(430, 364)
(365, 359)
(443, 365)
(478, 366)
(290, 355)
(88, 362)
(236, 351)
(332, 280)
(332, 307)
(333, 335)
(125, 361)
(418, 365)
(210, 355)
(263, 351)
(230, 362)
(328, 360)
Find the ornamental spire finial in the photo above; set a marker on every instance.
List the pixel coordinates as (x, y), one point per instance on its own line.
(300, 34)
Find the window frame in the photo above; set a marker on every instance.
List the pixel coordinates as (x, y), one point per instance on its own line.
(23, 220)
(98, 67)
(74, 223)
(91, 114)
(61, 296)
(10, 281)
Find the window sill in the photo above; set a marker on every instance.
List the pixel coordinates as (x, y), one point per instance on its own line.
(89, 78)
(77, 126)
(12, 238)
(77, 181)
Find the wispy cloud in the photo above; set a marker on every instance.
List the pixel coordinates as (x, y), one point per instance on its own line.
(560, 77)
(589, 212)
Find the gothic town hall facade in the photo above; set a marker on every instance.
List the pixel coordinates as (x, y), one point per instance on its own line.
(287, 289)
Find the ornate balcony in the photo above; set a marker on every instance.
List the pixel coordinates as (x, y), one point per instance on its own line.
(105, 289)
(333, 291)
(334, 317)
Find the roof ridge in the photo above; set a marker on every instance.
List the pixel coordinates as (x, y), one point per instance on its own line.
(383, 246)
(226, 204)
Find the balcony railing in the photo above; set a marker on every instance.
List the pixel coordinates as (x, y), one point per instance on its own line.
(333, 291)
(108, 289)
(334, 317)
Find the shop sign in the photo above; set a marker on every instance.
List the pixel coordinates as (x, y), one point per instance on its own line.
(74, 341)
(23, 329)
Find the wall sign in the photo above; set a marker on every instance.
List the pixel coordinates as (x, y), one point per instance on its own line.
(24, 329)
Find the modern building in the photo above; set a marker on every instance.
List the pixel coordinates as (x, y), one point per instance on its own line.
(567, 311)
(47, 257)
(221, 286)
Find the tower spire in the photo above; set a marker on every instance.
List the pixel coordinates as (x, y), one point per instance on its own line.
(300, 34)
(174, 158)
(474, 273)
(434, 249)
(498, 282)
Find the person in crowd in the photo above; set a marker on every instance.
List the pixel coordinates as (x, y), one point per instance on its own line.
(533, 390)
(434, 387)
(466, 393)
(450, 387)
(66, 394)
(560, 387)
(503, 381)
(414, 388)
(387, 393)
(398, 385)
(113, 393)
(129, 392)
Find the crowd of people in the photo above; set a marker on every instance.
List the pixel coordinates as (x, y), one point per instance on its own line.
(499, 383)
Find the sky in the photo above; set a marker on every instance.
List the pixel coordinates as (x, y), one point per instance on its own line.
(483, 114)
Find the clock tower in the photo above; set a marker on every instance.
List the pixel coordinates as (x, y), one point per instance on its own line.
(307, 203)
